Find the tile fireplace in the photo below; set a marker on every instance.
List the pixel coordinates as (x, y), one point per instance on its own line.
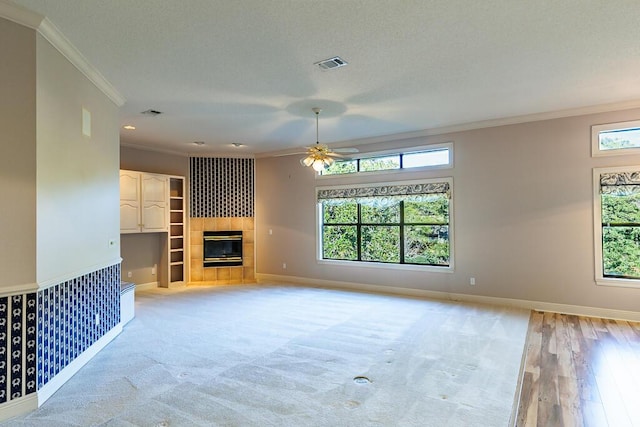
(222, 248)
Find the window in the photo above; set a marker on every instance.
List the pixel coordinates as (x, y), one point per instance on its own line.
(433, 156)
(617, 226)
(615, 139)
(380, 163)
(398, 223)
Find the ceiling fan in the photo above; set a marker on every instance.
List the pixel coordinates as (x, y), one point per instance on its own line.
(320, 156)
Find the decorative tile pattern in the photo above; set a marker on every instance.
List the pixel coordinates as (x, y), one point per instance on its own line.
(67, 318)
(4, 336)
(221, 187)
(16, 346)
(41, 333)
(31, 340)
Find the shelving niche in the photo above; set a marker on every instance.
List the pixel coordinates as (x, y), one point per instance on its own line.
(176, 245)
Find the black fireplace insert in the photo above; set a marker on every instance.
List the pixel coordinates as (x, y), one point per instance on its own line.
(222, 248)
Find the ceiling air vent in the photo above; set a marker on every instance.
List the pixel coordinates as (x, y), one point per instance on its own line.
(151, 113)
(331, 63)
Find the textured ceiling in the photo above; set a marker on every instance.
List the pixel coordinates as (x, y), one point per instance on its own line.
(241, 71)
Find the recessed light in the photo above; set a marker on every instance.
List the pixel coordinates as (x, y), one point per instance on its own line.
(198, 143)
(237, 144)
(129, 127)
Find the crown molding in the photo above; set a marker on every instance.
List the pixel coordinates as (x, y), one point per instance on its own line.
(50, 32)
(462, 127)
(153, 149)
(53, 35)
(188, 153)
(20, 15)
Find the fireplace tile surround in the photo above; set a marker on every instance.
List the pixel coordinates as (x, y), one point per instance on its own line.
(222, 275)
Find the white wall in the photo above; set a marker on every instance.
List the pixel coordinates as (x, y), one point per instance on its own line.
(77, 176)
(523, 216)
(17, 156)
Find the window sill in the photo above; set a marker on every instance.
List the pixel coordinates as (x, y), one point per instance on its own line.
(620, 283)
(388, 266)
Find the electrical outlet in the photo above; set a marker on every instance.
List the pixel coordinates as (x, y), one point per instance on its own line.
(129, 275)
(472, 281)
(284, 265)
(154, 269)
(270, 232)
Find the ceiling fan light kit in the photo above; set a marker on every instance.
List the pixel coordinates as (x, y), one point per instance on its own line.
(318, 156)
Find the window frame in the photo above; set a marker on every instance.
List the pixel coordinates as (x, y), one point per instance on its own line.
(385, 153)
(388, 265)
(595, 139)
(600, 278)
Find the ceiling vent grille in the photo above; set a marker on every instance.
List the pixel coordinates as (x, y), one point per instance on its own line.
(152, 113)
(331, 63)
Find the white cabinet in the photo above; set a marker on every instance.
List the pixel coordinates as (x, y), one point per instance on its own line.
(143, 202)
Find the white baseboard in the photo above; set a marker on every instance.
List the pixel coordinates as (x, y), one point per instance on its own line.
(72, 368)
(19, 406)
(146, 286)
(605, 313)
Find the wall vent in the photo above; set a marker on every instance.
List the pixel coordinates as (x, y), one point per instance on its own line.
(331, 63)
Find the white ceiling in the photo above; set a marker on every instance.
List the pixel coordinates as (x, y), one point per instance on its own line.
(225, 71)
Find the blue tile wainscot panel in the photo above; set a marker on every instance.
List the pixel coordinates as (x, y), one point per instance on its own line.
(17, 346)
(4, 307)
(31, 337)
(43, 332)
(17, 315)
(67, 315)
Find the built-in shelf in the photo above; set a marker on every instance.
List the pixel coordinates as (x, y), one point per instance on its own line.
(176, 246)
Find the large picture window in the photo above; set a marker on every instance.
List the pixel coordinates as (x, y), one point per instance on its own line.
(617, 225)
(397, 223)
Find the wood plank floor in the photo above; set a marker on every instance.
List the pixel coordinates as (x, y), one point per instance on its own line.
(580, 371)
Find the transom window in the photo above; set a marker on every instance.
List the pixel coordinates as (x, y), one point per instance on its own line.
(426, 157)
(398, 223)
(617, 225)
(615, 139)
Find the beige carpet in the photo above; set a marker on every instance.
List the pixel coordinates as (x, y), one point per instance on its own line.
(295, 356)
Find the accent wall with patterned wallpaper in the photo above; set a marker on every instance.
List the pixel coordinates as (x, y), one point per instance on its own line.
(222, 199)
(221, 187)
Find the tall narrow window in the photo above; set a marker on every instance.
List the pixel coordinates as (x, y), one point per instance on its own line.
(396, 223)
(617, 225)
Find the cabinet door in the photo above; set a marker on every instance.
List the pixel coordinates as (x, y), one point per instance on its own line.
(154, 203)
(129, 202)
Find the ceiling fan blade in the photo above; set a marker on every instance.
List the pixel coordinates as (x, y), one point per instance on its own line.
(346, 150)
(295, 153)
